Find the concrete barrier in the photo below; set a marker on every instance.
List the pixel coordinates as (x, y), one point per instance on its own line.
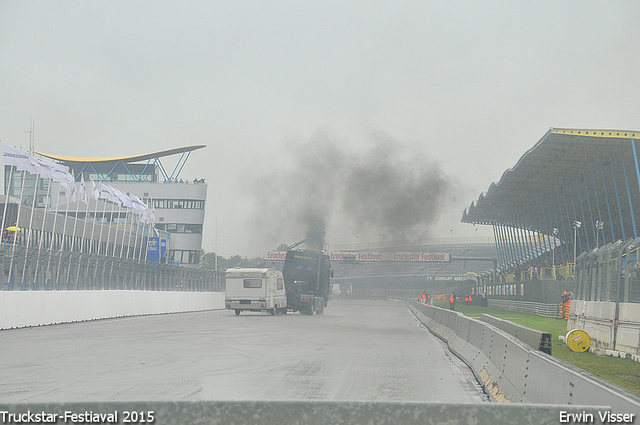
(34, 308)
(303, 413)
(512, 371)
(628, 335)
(533, 337)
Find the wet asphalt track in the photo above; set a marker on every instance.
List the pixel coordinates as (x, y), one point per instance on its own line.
(360, 350)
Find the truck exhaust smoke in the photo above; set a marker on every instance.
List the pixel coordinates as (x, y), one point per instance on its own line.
(389, 190)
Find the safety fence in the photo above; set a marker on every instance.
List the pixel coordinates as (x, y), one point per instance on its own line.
(29, 268)
(609, 273)
(541, 309)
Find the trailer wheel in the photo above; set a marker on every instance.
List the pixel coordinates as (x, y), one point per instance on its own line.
(237, 312)
(273, 311)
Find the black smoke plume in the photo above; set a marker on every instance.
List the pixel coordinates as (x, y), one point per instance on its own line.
(387, 188)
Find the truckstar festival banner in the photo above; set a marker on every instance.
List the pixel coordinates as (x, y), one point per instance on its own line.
(370, 256)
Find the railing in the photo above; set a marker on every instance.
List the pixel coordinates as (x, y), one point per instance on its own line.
(563, 272)
(33, 269)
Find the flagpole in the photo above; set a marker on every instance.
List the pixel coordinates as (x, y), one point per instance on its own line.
(104, 214)
(129, 240)
(146, 250)
(73, 235)
(84, 228)
(95, 215)
(44, 220)
(99, 247)
(15, 234)
(33, 208)
(141, 219)
(64, 231)
(6, 202)
(53, 233)
(124, 231)
(95, 191)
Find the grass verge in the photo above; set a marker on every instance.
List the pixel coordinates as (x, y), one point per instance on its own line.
(622, 372)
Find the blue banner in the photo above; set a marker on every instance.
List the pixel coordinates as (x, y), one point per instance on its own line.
(153, 249)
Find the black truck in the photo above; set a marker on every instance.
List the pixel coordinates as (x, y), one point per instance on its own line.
(307, 280)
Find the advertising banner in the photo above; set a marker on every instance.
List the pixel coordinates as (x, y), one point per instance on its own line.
(153, 249)
(163, 251)
(370, 256)
(451, 278)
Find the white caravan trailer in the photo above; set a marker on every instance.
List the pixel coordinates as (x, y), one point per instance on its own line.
(255, 289)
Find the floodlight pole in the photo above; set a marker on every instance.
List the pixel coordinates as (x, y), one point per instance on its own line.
(599, 227)
(553, 253)
(576, 226)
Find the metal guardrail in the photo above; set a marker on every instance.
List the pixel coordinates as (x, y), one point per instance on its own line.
(541, 309)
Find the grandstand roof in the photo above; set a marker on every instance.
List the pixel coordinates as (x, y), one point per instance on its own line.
(576, 165)
(124, 159)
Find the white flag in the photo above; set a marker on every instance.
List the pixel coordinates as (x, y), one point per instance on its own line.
(71, 188)
(95, 194)
(60, 173)
(144, 216)
(18, 158)
(43, 167)
(83, 190)
(107, 192)
(122, 198)
(137, 203)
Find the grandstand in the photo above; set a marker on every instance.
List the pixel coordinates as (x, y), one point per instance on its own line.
(409, 278)
(573, 191)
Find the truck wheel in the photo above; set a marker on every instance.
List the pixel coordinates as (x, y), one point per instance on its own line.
(273, 311)
(237, 312)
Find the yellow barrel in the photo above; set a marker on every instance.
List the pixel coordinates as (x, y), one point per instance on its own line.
(577, 340)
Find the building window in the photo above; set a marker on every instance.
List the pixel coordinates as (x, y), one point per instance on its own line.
(178, 256)
(177, 204)
(180, 227)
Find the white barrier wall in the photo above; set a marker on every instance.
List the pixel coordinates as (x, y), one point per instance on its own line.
(511, 371)
(597, 318)
(628, 338)
(34, 308)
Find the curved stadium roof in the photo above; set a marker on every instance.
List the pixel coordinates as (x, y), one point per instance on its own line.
(124, 159)
(570, 174)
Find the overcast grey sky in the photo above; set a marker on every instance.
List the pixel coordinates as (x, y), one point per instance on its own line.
(460, 87)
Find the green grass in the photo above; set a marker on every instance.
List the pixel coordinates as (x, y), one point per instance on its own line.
(622, 372)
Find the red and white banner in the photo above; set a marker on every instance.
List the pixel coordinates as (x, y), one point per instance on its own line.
(370, 256)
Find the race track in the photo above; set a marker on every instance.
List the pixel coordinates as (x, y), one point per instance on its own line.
(359, 350)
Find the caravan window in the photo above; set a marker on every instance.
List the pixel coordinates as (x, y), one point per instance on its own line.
(252, 283)
(280, 284)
